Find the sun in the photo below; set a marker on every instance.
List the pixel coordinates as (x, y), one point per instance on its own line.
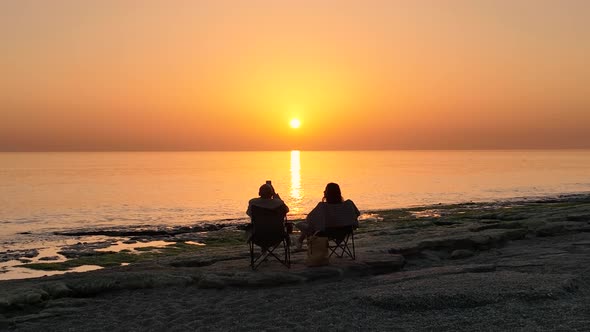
(295, 123)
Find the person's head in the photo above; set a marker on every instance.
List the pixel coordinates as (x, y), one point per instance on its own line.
(332, 193)
(265, 191)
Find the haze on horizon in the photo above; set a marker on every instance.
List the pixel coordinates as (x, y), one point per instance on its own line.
(230, 75)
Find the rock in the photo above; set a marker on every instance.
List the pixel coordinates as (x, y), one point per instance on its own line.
(194, 262)
(431, 255)
(322, 272)
(441, 222)
(552, 229)
(406, 249)
(579, 217)
(205, 261)
(479, 268)
(31, 317)
(549, 230)
(4, 303)
(19, 254)
(395, 263)
(49, 258)
(500, 236)
(33, 297)
(467, 290)
(31, 253)
(498, 225)
(403, 231)
(85, 249)
(266, 279)
(482, 240)
(461, 253)
(92, 285)
(56, 289)
(511, 216)
(211, 281)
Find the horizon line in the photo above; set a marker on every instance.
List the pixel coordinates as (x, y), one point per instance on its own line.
(282, 150)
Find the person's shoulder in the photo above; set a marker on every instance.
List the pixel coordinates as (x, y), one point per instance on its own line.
(319, 206)
(254, 200)
(351, 205)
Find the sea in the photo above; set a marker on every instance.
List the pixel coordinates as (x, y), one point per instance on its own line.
(45, 193)
(42, 193)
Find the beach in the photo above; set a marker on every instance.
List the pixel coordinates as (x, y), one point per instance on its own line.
(510, 265)
(137, 140)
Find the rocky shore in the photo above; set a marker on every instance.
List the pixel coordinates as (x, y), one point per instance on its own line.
(519, 265)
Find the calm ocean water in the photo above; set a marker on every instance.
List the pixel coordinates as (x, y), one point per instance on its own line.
(42, 192)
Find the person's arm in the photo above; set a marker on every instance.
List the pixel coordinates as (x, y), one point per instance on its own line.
(356, 210)
(276, 195)
(249, 210)
(283, 208)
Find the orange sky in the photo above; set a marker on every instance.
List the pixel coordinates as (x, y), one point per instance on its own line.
(229, 75)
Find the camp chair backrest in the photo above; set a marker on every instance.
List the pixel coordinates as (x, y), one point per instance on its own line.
(341, 220)
(268, 227)
(340, 215)
(268, 232)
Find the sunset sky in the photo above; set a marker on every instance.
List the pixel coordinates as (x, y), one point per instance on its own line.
(231, 75)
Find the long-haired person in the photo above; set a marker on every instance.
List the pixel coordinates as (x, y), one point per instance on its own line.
(333, 210)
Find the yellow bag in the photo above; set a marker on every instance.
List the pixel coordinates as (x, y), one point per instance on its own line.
(317, 251)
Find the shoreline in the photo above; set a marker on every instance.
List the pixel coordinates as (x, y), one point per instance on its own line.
(490, 266)
(76, 243)
(217, 224)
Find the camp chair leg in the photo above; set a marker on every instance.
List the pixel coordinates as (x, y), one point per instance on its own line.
(341, 248)
(251, 254)
(344, 247)
(332, 250)
(287, 254)
(263, 256)
(353, 251)
(255, 263)
(337, 245)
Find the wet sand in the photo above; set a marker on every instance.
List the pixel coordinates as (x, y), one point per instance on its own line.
(521, 265)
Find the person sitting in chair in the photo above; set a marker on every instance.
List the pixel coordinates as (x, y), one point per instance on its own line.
(332, 211)
(268, 199)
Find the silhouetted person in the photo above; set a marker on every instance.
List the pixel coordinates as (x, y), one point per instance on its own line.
(269, 199)
(332, 211)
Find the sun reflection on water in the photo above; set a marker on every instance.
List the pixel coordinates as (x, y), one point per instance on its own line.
(296, 191)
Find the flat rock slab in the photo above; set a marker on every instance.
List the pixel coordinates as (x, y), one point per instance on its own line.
(466, 290)
(557, 228)
(467, 240)
(9, 255)
(279, 275)
(35, 293)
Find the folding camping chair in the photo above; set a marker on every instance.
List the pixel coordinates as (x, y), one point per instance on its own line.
(340, 241)
(268, 232)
